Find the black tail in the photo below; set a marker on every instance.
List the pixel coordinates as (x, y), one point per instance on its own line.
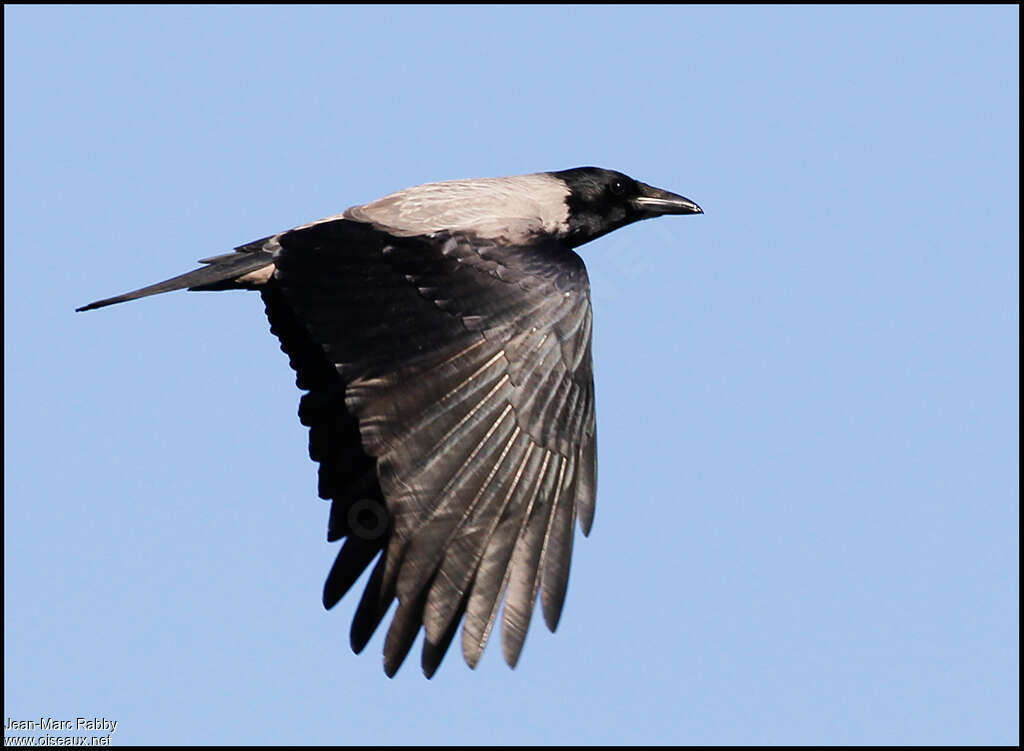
(218, 274)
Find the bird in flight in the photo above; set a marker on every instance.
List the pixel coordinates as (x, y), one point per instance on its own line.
(442, 336)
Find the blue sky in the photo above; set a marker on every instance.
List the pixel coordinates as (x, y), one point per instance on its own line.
(807, 399)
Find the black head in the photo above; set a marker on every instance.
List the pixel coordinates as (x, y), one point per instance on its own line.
(603, 200)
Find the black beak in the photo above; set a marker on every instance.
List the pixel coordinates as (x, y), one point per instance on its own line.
(655, 202)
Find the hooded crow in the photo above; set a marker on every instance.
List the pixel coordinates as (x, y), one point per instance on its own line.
(442, 336)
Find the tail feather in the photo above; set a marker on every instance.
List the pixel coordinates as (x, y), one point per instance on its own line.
(218, 274)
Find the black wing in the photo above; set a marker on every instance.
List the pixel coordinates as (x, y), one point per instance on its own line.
(451, 409)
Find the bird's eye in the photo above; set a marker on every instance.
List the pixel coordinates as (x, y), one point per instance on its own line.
(618, 187)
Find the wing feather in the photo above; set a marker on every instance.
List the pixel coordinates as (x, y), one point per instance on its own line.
(493, 571)
(525, 564)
